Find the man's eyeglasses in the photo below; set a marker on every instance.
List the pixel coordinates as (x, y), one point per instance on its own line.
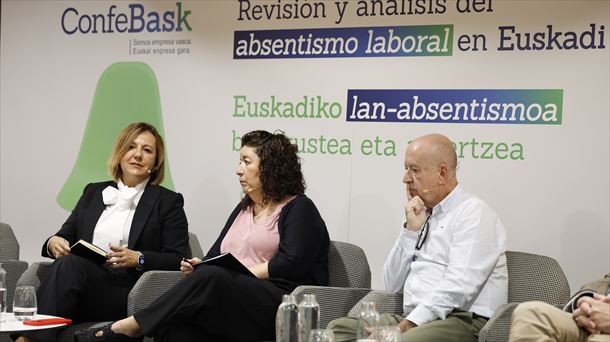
(423, 234)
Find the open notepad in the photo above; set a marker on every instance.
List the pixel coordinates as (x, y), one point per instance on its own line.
(226, 260)
(89, 251)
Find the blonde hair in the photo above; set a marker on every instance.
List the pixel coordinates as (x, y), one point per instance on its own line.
(127, 136)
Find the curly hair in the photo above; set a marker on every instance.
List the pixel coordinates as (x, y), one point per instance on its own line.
(280, 166)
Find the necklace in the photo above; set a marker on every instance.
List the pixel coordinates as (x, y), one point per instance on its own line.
(263, 211)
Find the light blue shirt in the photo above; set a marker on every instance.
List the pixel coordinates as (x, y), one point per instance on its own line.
(461, 265)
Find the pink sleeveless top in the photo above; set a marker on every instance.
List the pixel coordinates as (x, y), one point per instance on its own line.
(253, 243)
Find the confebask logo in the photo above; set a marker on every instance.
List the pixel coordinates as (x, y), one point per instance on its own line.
(135, 19)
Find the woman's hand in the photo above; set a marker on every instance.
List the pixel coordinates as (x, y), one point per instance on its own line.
(122, 257)
(186, 265)
(261, 271)
(58, 246)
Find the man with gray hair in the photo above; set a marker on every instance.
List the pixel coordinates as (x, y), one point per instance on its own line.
(448, 259)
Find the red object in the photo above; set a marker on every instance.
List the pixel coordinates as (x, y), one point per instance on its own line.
(47, 321)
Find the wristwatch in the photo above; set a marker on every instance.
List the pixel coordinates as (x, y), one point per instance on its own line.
(140, 266)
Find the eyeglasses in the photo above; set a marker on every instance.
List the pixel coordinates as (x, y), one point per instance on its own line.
(423, 234)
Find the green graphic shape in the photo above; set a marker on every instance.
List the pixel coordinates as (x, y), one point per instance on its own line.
(126, 92)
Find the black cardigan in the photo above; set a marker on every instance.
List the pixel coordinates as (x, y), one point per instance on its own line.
(302, 256)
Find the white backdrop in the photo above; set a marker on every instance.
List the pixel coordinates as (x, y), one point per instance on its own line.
(553, 200)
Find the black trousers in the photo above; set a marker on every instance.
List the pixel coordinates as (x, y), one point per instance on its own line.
(214, 304)
(83, 291)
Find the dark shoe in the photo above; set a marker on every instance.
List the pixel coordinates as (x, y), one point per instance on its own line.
(90, 334)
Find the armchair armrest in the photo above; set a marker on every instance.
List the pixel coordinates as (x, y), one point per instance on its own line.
(335, 302)
(385, 302)
(150, 286)
(498, 326)
(14, 269)
(35, 273)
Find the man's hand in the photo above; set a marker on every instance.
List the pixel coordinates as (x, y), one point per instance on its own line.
(415, 211)
(406, 325)
(122, 257)
(58, 246)
(593, 314)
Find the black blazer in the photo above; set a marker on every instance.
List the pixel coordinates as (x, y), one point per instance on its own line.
(159, 229)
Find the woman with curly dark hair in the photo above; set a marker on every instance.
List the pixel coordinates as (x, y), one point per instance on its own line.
(276, 231)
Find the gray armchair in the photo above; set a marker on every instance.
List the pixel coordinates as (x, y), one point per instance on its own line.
(151, 285)
(530, 277)
(9, 258)
(349, 281)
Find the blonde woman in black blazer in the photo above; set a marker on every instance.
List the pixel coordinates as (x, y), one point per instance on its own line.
(154, 235)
